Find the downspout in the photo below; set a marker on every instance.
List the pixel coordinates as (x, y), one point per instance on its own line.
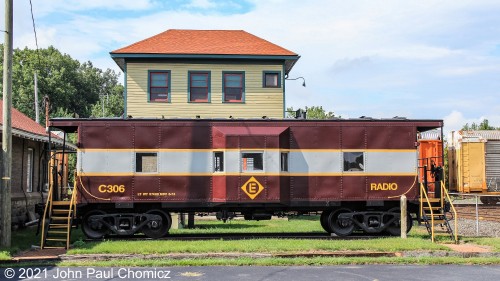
(22, 177)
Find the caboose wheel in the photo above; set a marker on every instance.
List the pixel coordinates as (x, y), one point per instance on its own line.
(158, 229)
(395, 228)
(341, 227)
(324, 221)
(92, 228)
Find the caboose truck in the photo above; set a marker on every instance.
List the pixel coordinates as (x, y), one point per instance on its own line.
(131, 174)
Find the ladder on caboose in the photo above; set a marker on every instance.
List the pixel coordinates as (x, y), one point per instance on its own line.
(57, 222)
(436, 213)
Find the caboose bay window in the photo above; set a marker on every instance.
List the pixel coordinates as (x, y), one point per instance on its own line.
(159, 86)
(252, 161)
(234, 86)
(284, 161)
(218, 161)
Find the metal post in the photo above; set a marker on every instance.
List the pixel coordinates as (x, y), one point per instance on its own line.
(191, 220)
(404, 218)
(477, 216)
(5, 192)
(37, 107)
(426, 183)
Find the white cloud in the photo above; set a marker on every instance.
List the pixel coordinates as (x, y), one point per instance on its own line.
(373, 58)
(456, 120)
(468, 70)
(203, 4)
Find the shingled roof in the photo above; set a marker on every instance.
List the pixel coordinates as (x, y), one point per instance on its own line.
(210, 44)
(25, 127)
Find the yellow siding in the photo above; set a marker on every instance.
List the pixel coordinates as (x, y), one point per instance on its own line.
(259, 101)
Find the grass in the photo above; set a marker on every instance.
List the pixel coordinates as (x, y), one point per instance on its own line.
(23, 239)
(418, 241)
(308, 224)
(254, 245)
(314, 261)
(494, 243)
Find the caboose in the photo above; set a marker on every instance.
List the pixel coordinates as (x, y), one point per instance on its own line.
(131, 174)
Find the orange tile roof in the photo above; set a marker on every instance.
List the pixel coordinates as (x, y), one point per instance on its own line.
(23, 122)
(205, 42)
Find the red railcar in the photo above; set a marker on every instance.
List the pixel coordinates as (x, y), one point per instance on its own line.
(132, 173)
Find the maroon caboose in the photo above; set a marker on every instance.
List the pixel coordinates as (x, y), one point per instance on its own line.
(131, 174)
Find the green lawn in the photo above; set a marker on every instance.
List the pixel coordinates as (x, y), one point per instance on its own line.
(418, 240)
(23, 239)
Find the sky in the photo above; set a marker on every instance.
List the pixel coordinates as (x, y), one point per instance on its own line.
(420, 59)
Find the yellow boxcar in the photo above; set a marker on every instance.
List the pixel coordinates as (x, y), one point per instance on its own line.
(467, 161)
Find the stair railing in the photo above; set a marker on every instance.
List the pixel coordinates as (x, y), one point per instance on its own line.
(423, 194)
(47, 210)
(71, 213)
(444, 191)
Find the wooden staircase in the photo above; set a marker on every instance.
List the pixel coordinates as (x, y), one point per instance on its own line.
(436, 213)
(58, 222)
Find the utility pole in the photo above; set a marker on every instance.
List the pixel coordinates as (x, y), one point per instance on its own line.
(37, 108)
(5, 215)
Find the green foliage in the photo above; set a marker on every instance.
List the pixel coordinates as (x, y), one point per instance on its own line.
(484, 125)
(313, 112)
(110, 105)
(73, 87)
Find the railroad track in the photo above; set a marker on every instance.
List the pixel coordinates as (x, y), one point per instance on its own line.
(485, 212)
(240, 236)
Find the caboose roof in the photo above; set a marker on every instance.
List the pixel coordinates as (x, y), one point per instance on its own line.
(72, 124)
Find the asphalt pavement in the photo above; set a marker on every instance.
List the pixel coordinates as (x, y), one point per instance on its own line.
(253, 273)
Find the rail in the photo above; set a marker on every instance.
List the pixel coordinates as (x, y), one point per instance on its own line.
(455, 216)
(424, 193)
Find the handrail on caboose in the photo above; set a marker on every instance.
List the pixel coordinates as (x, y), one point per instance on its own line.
(48, 207)
(72, 212)
(424, 193)
(454, 210)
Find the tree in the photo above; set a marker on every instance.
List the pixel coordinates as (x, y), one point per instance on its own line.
(484, 125)
(313, 112)
(72, 87)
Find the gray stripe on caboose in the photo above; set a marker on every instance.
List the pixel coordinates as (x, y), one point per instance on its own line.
(390, 162)
(315, 162)
(185, 162)
(110, 162)
(300, 162)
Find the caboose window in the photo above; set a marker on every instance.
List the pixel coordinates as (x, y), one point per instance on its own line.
(252, 161)
(146, 162)
(218, 161)
(284, 161)
(354, 162)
